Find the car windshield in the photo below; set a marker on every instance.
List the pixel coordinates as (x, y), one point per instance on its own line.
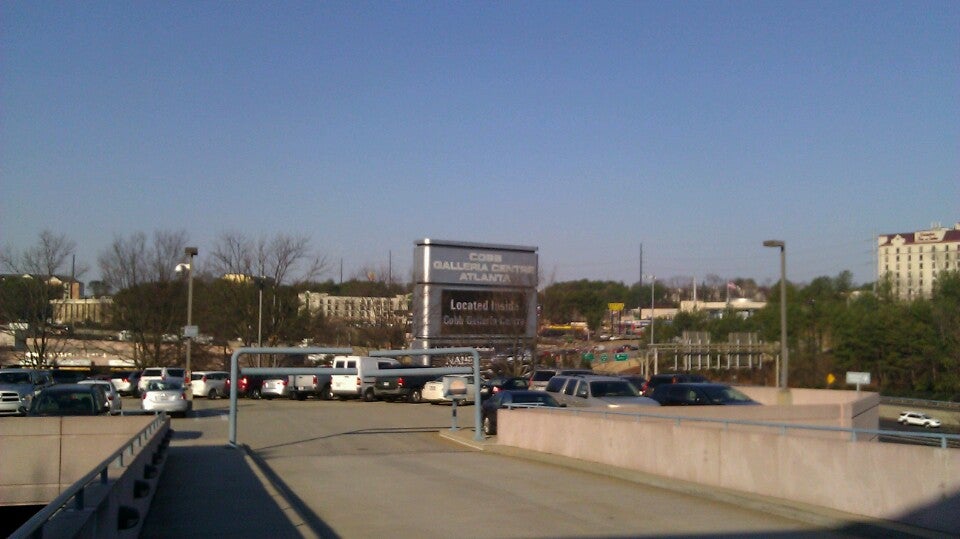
(719, 394)
(613, 388)
(542, 376)
(14, 378)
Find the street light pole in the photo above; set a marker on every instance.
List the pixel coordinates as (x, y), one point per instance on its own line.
(653, 285)
(260, 284)
(190, 252)
(784, 369)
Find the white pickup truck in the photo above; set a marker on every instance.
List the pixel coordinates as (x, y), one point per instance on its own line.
(359, 385)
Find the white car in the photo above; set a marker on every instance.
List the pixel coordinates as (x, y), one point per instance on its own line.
(433, 390)
(918, 418)
(166, 396)
(159, 374)
(209, 384)
(114, 402)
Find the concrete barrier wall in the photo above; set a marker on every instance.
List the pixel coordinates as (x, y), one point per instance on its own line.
(41, 456)
(49, 455)
(913, 484)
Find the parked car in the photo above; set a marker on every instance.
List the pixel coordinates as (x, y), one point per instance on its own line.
(70, 399)
(540, 377)
(918, 418)
(669, 378)
(635, 379)
(275, 386)
(492, 386)
(248, 385)
(360, 385)
(168, 395)
(209, 384)
(18, 387)
(126, 382)
(396, 384)
(699, 394)
(433, 390)
(113, 397)
(61, 376)
(161, 374)
(591, 390)
(507, 398)
(305, 385)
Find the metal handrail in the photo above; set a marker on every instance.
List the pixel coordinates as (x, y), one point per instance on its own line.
(782, 427)
(75, 491)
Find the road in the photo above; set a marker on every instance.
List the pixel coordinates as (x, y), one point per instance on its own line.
(358, 469)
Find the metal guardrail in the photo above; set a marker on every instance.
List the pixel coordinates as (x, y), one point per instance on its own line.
(76, 492)
(921, 403)
(782, 428)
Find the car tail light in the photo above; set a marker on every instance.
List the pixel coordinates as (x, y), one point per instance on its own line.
(204, 379)
(400, 382)
(183, 395)
(143, 396)
(314, 379)
(283, 381)
(358, 381)
(496, 389)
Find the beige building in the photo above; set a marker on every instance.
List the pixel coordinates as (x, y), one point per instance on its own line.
(79, 311)
(912, 260)
(366, 310)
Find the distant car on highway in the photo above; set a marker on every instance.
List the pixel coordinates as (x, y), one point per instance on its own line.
(699, 394)
(508, 398)
(166, 396)
(70, 399)
(919, 419)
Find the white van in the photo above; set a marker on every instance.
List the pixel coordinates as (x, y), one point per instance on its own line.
(361, 384)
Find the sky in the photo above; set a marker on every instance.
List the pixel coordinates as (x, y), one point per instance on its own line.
(694, 129)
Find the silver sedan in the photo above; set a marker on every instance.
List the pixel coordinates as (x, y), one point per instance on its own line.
(169, 396)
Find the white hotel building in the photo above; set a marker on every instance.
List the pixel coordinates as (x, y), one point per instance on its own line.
(912, 260)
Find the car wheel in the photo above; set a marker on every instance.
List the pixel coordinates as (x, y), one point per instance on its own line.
(327, 393)
(415, 396)
(488, 427)
(301, 396)
(255, 394)
(369, 396)
(212, 394)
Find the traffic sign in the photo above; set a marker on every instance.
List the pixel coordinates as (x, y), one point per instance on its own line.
(588, 356)
(603, 357)
(620, 357)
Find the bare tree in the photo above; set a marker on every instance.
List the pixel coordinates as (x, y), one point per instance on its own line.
(266, 269)
(26, 298)
(149, 301)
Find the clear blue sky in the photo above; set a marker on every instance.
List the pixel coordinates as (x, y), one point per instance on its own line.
(698, 129)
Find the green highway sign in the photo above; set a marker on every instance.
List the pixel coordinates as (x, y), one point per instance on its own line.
(603, 357)
(620, 357)
(588, 357)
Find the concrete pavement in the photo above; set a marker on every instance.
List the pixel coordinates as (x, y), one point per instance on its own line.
(377, 469)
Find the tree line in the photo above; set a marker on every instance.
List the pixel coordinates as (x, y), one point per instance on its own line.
(909, 347)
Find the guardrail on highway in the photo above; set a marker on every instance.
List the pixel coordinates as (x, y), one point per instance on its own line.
(95, 502)
(921, 403)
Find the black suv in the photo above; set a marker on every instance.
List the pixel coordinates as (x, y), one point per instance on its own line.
(699, 394)
(669, 378)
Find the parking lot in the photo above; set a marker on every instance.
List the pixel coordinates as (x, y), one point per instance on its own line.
(363, 469)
